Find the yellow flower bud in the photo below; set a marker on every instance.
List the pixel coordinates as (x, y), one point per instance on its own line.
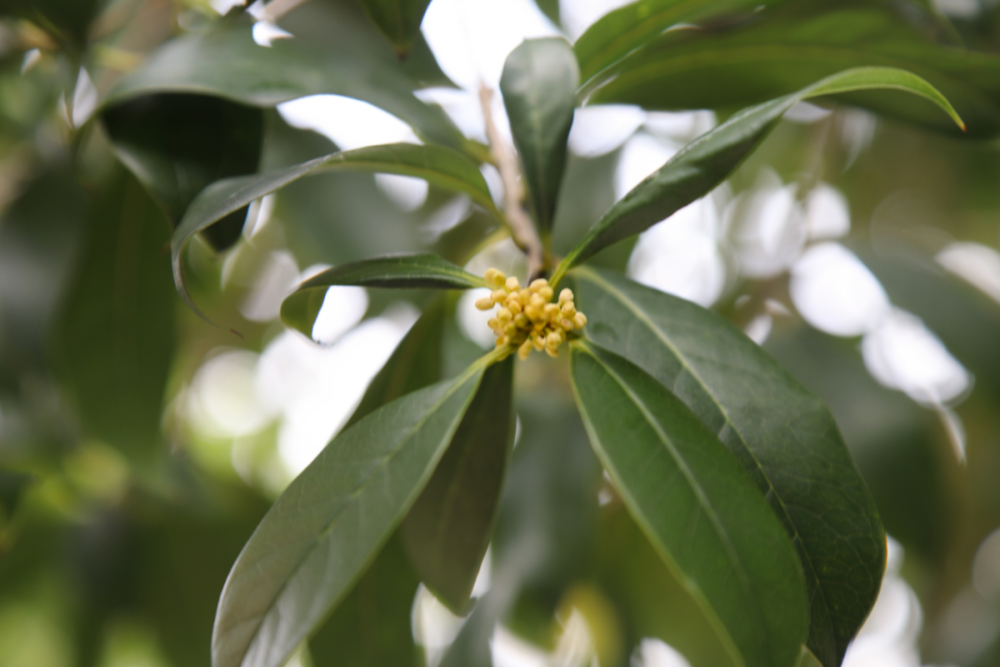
(552, 352)
(504, 316)
(513, 305)
(546, 293)
(568, 309)
(495, 277)
(493, 323)
(498, 296)
(536, 300)
(538, 283)
(553, 340)
(566, 324)
(513, 284)
(580, 320)
(550, 310)
(485, 303)
(502, 340)
(524, 350)
(521, 321)
(565, 295)
(510, 329)
(538, 340)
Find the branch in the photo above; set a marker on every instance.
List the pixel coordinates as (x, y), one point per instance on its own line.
(521, 229)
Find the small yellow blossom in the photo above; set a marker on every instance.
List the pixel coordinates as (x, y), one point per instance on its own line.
(527, 319)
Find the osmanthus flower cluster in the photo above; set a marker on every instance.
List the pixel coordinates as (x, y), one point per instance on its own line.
(527, 319)
(735, 473)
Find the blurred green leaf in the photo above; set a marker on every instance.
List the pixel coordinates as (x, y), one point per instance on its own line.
(449, 527)
(399, 20)
(539, 91)
(67, 21)
(767, 419)
(177, 144)
(697, 505)
(329, 524)
(39, 235)
(435, 164)
(705, 162)
(372, 626)
(623, 30)
(551, 10)
(244, 72)
(12, 487)
(300, 309)
(114, 339)
(797, 43)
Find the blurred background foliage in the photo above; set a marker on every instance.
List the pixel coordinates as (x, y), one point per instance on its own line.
(140, 446)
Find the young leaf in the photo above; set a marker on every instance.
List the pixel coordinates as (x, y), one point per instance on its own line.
(435, 164)
(698, 507)
(399, 20)
(329, 524)
(177, 144)
(299, 310)
(781, 433)
(623, 30)
(449, 527)
(539, 91)
(244, 72)
(709, 159)
(732, 68)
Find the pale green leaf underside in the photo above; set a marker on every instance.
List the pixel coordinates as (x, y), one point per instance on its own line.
(409, 271)
(330, 522)
(435, 164)
(698, 507)
(711, 158)
(781, 433)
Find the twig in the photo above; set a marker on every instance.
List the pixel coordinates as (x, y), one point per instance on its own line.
(521, 229)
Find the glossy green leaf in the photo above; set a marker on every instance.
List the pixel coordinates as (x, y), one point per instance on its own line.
(244, 72)
(300, 309)
(449, 527)
(708, 160)
(539, 91)
(781, 433)
(113, 342)
(330, 523)
(623, 30)
(177, 144)
(435, 164)
(372, 626)
(697, 505)
(399, 20)
(729, 69)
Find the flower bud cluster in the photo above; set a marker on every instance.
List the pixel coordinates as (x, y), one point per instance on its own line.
(528, 319)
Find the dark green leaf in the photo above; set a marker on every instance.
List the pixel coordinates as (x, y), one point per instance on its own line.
(623, 30)
(67, 21)
(435, 164)
(415, 363)
(244, 72)
(731, 68)
(330, 523)
(299, 310)
(449, 527)
(399, 20)
(697, 505)
(778, 430)
(551, 10)
(12, 487)
(372, 626)
(115, 338)
(178, 144)
(708, 160)
(539, 91)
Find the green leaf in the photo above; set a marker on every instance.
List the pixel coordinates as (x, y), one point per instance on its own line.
(781, 433)
(728, 68)
(12, 487)
(372, 626)
(449, 527)
(113, 341)
(67, 21)
(244, 72)
(176, 144)
(697, 505)
(300, 309)
(415, 363)
(435, 164)
(330, 523)
(708, 160)
(539, 91)
(623, 30)
(399, 20)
